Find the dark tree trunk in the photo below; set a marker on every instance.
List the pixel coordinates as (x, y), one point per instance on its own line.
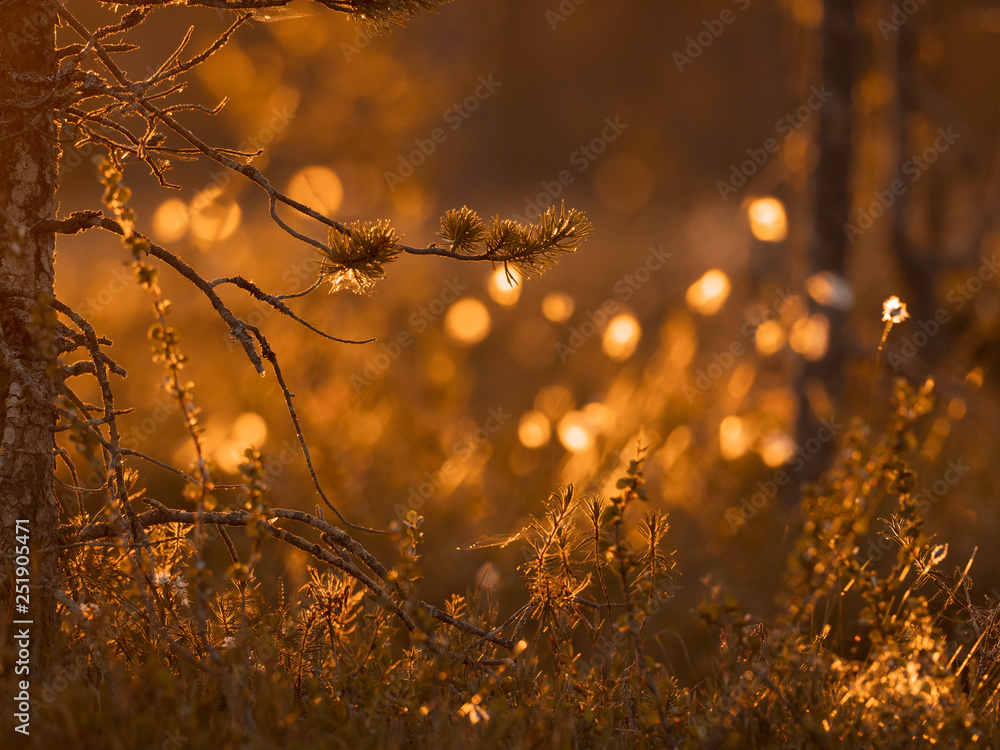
(822, 381)
(28, 375)
(916, 264)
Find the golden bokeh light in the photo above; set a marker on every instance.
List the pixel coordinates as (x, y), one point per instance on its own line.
(829, 289)
(599, 416)
(742, 379)
(247, 430)
(621, 337)
(250, 428)
(808, 13)
(776, 448)
(678, 441)
(214, 215)
(734, 440)
(558, 307)
(682, 351)
(534, 430)
(709, 293)
(365, 428)
(441, 368)
(767, 220)
(795, 155)
(317, 187)
(228, 456)
(467, 321)
(554, 401)
(769, 337)
(680, 339)
(810, 336)
(504, 286)
(230, 71)
(411, 202)
(957, 408)
(304, 36)
(170, 222)
(575, 432)
(876, 89)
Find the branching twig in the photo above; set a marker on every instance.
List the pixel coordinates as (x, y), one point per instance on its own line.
(162, 514)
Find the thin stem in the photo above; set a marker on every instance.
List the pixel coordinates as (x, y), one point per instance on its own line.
(878, 361)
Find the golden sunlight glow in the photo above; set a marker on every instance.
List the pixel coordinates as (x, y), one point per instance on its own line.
(558, 307)
(810, 337)
(504, 286)
(250, 428)
(621, 337)
(770, 337)
(678, 442)
(742, 379)
(534, 430)
(365, 428)
(228, 455)
(808, 13)
(776, 448)
(441, 368)
(317, 187)
(467, 321)
(767, 220)
(733, 438)
(231, 70)
(488, 575)
(301, 36)
(600, 416)
(680, 340)
(411, 202)
(831, 290)
(956, 408)
(574, 432)
(708, 294)
(170, 222)
(215, 215)
(474, 712)
(553, 401)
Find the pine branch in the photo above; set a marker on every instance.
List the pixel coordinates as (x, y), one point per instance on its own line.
(357, 260)
(351, 262)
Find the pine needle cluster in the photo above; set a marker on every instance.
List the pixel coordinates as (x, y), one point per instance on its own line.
(531, 249)
(357, 261)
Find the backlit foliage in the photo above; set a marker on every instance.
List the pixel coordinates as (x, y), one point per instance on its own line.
(857, 651)
(357, 261)
(224, 591)
(530, 249)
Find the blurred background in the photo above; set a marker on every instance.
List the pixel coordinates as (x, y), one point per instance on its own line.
(695, 318)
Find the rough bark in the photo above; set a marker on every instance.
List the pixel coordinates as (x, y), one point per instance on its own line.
(28, 374)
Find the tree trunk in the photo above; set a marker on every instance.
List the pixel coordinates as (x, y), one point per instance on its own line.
(822, 382)
(916, 264)
(29, 512)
